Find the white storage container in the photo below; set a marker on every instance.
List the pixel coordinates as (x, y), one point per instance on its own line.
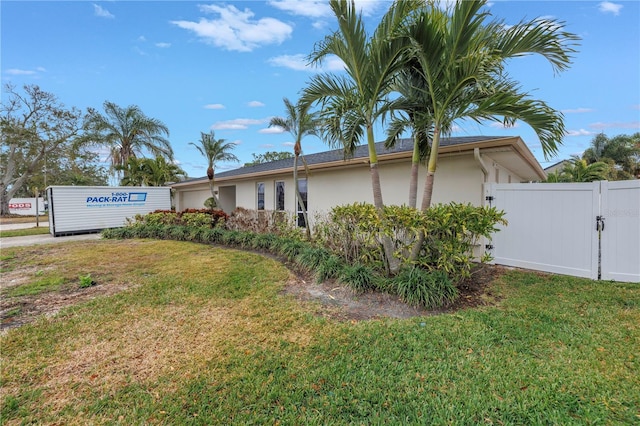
(86, 209)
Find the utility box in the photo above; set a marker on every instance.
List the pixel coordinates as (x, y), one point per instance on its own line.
(87, 209)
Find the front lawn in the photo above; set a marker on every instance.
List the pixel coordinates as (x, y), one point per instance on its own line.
(202, 335)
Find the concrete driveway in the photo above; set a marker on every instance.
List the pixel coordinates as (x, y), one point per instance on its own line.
(32, 240)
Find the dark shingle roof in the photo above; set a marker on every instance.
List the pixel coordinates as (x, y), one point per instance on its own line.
(403, 145)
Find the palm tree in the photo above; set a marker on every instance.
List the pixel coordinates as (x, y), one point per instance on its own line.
(128, 133)
(353, 102)
(299, 123)
(461, 59)
(578, 170)
(214, 150)
(151, 172)
(621, 152)
(462, 62)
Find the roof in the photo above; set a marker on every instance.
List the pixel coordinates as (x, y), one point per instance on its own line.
(337, 156)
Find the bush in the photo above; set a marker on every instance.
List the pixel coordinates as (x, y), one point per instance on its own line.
(264, 222)
(354, 232)
(330, 267)
(310, 257)
(359, 277)
(264, 241)
(430, 289)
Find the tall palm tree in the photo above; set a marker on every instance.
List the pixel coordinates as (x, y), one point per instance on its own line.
(462, 61)
(129, 133)
(462, 58)
(214, 150)
(299, 122)
(353, 102)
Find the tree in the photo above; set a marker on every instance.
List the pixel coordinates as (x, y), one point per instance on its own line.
(151, 172)
(69, 165)
(621, 152)
(268, 157)
(128, 132)
(214, 150)
(352, 103)
(462, 61)
(33, 124)
(578, 170)
(299, 122)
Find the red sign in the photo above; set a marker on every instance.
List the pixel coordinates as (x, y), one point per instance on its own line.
(20, 206)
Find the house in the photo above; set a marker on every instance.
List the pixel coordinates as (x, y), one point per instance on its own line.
(465, 164)
(556, 167)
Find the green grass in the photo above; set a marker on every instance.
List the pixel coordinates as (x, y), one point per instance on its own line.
(39, 286)
(206, 338)
(24, 232)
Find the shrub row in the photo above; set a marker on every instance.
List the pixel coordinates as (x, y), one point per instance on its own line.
(188, 217)
(306, 256)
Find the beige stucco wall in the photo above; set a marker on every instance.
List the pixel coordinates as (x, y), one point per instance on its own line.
(458, 178)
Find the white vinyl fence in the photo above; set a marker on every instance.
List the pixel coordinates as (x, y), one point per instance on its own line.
(587, 230)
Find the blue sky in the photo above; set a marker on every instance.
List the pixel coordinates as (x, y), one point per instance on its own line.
(225, 66)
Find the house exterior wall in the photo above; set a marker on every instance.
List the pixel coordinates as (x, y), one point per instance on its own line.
(458, 178)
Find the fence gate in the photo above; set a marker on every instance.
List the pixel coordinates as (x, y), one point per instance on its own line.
(587, 230)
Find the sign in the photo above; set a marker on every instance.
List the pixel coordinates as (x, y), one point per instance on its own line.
(26, 206)
(117, 199)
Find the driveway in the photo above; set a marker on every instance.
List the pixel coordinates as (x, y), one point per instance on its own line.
(32, 240)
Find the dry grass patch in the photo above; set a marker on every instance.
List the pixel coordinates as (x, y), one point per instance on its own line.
(190, 307)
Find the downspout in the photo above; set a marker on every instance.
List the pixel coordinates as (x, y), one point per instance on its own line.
(485, 172)
(483, 167)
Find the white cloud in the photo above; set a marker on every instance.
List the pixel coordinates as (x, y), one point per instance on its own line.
(576, 110)
(214, 106)
(617, 124)
(609, 7)
(315, 9)
(238, 124)
(267, 145)
(581, 132)
(142, 39)
(237, 142)
(637, 106)
(255, 104)
(299, 63)
(236, 29)
(271, 130)
(163, 45)
(308, 8)
(288, 144)
(16, 71)
(101, 12)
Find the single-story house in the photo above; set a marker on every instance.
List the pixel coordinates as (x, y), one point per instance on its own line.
(465, 164)
(556, 167)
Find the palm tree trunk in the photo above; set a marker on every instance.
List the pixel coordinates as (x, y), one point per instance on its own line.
(299, 202)
(428, 190)
(413, 183)
(213, 194)
(392, 264)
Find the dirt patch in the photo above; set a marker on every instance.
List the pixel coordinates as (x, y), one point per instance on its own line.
(337, 301)
(17, 311)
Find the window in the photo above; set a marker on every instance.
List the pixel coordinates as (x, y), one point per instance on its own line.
(302, 184)
(260, 192)
(279, 196)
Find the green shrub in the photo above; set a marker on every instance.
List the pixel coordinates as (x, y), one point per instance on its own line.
(264, 241)
(231, 238)
(354, 232)
(213, 236)
(330, 267)
(359, 277)
(290, 248)
(310, 257)
(86, 281)
(430, 289)
(198, 219)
